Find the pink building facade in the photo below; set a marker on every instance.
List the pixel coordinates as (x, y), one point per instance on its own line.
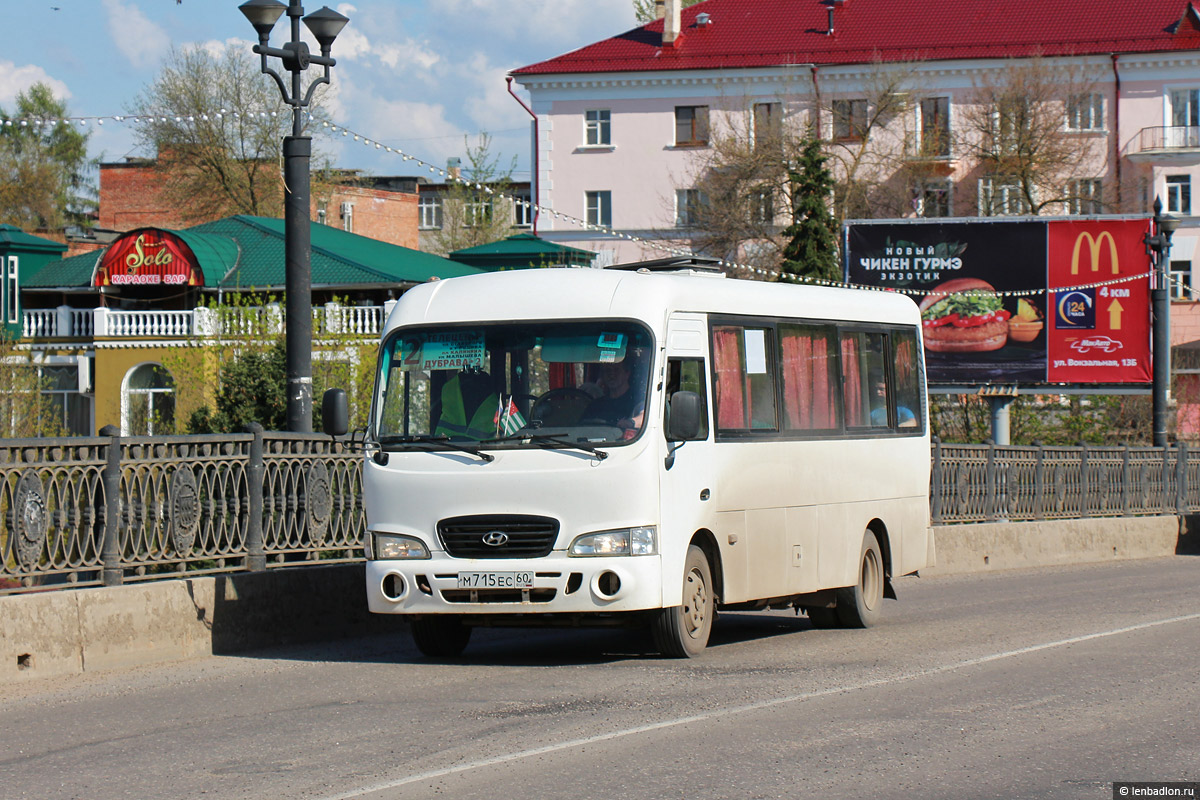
(625, 127)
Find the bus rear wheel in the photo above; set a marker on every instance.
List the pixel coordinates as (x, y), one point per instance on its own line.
(440, 637)
(682, 631)
(859, 606)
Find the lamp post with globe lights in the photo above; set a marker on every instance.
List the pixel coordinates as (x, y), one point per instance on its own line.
(1158, 247)
(295, 57)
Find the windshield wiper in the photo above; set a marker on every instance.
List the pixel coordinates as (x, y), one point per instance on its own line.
(437, 441)
(549, 440)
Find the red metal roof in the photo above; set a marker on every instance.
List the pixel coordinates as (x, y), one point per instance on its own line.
(761, 33)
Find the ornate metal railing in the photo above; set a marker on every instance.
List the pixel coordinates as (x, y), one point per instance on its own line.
(107, 510)
(983, 483)
(1168, 137)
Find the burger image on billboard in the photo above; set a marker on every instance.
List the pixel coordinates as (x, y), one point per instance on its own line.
(964, 315)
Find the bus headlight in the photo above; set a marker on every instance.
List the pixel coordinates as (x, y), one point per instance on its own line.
(392, 546)
(625, 542)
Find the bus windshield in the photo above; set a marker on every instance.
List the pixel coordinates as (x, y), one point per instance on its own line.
(528, 384)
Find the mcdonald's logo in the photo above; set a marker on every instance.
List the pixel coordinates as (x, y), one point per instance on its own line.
(1094, 250)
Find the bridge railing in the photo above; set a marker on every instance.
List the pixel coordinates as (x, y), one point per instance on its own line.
(109, 510)
(987, 483)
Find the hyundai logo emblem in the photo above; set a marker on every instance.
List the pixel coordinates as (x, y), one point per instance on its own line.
(495, 538)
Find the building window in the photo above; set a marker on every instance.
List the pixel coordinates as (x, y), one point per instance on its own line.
(598, 127)
(1179, 194)
(322, 212)
(933, 199)
(1185, 108)
(46, 395)
(1085, 112)
(348, 217)
(148, 401)
(934, 127)
(1179, 280)
(522, 209)
(688, 206)
(768, 124)
(999, 199)
(1086, 196)
(849, 120)
(599, 209)
(691, 125)
(12, 303)
(429, 212)
(762, 207)
(477, 212)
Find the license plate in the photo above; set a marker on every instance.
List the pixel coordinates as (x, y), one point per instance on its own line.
(495, 580)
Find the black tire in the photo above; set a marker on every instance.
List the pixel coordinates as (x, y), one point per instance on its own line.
(683, 631)
(440, 637)
(859, 606)
(823, 618)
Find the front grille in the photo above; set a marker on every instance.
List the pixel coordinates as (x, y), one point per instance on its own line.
(527, 537)
(498, 595)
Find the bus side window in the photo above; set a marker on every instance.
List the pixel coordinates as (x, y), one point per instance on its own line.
(864, 380)
(687, 375)
(907, 380)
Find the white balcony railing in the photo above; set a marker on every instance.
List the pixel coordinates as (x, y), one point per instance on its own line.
(65, 322)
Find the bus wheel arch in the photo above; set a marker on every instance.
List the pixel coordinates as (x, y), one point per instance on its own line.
(877, 527)
(707, 541)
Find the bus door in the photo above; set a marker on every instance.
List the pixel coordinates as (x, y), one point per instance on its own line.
(689, 483)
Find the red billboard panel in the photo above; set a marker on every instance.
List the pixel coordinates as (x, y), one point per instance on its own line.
(1098, 312)
(148, 257)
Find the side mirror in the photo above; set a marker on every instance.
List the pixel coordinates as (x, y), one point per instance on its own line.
(335, 414)
(683, 417)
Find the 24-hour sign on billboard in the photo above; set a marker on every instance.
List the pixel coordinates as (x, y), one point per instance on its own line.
(1098, 334)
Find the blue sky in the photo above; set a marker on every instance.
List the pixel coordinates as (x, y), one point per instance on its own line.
(412, 74)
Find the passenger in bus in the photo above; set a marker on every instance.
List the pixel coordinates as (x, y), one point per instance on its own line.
(879, 418)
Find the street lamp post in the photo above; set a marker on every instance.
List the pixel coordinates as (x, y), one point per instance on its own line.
(1158, 247)
(324, 25)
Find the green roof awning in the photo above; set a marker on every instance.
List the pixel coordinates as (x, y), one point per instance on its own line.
(245, 252)
(522, 251)
(13, 238)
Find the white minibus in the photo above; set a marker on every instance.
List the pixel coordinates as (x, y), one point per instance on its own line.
(639, 447)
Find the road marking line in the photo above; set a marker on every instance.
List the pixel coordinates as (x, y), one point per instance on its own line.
(742, 709)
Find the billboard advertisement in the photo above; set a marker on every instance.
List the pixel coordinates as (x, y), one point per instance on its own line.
(1018, 301)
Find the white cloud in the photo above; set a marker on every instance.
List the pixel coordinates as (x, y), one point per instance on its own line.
(14, 80)
(139, 39)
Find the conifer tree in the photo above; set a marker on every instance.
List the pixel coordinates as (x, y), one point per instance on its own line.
(811, 250)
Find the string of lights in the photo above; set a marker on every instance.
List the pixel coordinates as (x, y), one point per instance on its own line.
(654, 244)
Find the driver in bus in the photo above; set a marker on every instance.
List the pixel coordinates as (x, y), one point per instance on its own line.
(619, 405)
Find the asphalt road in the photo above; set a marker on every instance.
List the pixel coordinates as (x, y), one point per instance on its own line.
(1035, 684)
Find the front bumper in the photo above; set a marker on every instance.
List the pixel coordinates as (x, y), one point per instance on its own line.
(561, 585)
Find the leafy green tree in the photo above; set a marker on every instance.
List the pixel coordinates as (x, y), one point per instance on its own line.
(811, 250)
(471, 215)
(44, 166)
(218, 151)
(253, 388)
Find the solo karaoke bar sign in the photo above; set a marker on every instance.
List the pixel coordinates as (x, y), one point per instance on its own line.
(1020, 301)
(148, 257)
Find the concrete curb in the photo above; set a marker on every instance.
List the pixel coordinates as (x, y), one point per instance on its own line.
(69, 632)
(993, 546)
(54, 633)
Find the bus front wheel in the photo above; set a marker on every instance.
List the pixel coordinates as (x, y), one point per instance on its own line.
(682, 631)
(440, 637)
(858, 606)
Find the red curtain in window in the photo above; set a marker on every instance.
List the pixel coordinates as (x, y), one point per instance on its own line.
(731, 406)
(562, 375)
(852, 388)
(808, 396)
